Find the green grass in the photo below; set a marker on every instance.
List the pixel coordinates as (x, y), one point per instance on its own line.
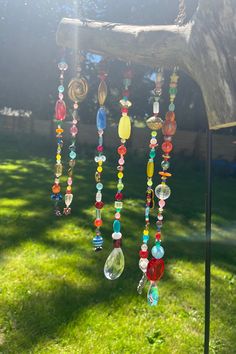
(53, 295)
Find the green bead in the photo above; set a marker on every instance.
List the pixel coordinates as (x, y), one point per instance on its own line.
(172, 107)
(152, 154)
(165, 165)
(172, 90)
(154, 133)
(120, 186)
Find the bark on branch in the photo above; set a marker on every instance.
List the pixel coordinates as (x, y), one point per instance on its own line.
(204, 48)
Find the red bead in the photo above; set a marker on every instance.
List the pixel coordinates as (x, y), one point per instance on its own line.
(98, 222)
(117, 243)
(170, 116)
(124, 110)
(100, 148)
(119, 196)
(167, 146)
(121, 150)
(155, 269)
(60, 110)
(158, 236)
(169, 127)
(99, 205)
(143, 254)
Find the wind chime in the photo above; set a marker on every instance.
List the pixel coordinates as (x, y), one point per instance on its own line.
(77, 92)
(153, 270)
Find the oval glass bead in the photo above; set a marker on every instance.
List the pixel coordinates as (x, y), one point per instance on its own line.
(99, 186)
(155, 107)
(169, 127)
(150, 169)
(162, 191)
(116, 226)
(124, 127)
(102, 93)
(58, 170)
(114, 265)
(68, 199)
(98, 197)
(60, 110)
(101, 119)
(152, 295)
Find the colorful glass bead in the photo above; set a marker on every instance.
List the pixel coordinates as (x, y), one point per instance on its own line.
(101, 118)
(68, 199)
(143, 263)
(162, 191)
(121, 150)
(154, 123)
(115, 263)
(152, 295)
(150, 169)
(116, 235)
(102, 92)
(116, 226)
(165, 165)
(99, 205)
(158, 252)
(58, 170)
(169, 127)
(97, 241)
(60, 110)
(167, 146)
(124, 127)
(155, 269)
(98, 222)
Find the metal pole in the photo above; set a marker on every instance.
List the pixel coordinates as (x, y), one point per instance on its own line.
(208, 241)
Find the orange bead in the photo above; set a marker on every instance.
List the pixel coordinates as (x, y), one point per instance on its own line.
(56, 188)
(98, 222)
(165, 174)
(167, 146)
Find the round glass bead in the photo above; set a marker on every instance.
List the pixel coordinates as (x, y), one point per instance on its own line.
(121, 161)
(99, 169)
(116, 235)
(97, 241)
(117, 216)
(149, 183)
(61, 88)
(158, 252)
(162, 191)
(120, 186)
(120, 175)
(145, 232)
(98, 222)
(72, 155)
(121, 150)
(165, 165)
(99, 186)
(154, 134)
(167, 146)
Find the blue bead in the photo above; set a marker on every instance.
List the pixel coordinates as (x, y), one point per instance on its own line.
(116, 226)
(101, 119)
(72, 155)
(145, 238)
(97, 241)
(158, 252)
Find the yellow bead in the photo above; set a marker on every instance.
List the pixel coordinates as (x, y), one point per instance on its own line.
(124, 128)
(68, 188)
(145, 232)
(120, 175)
(58, 157)
(99, 169)
(99, 163)
(150, 169)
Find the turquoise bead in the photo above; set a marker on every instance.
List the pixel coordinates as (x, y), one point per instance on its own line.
(116, 226)
(72, 155)
(158, 252)
(152, 154)
(145, 238)
(99, 186)
(61, 89)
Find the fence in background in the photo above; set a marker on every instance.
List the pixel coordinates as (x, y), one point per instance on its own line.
(186, 142)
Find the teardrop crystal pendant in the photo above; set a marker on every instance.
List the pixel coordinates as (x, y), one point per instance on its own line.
(152, 295)
(115, 264)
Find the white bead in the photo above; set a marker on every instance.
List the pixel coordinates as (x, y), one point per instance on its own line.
(98, 197)
(143, 263)
(144, 247)
(116, 235)
(155, 107)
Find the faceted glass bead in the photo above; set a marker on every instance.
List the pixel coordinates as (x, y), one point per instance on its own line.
(56, 188)
(158, 252)
(143, 263)
(72, 155)
(60, 110)
(167, 146)
(101, 119)
(68, 199)
(114, 265)
(58, 170)
(121, 150)
(118, 205)
(155, 269)
(152, 295)
(152, 154)
(165, 165)
(62, 66)
(98, 196)
(74, 130)
(99, 205)
(162, 191)
(169, 127)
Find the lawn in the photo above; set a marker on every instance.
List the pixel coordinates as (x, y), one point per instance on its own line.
(53, 295)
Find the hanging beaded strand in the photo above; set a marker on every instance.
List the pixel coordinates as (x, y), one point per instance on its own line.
(154, 123)
(60, 115)
(115, 262)
(77, 91)
(100, 158)
(155, 268)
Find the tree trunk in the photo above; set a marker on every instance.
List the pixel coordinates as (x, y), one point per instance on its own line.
(205, 49)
